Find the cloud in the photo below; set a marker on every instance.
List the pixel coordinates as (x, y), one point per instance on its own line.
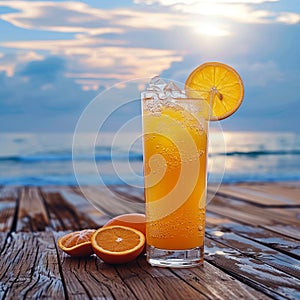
(40, 88)
(91, 61)
(79, 17)
(288, 18)
(70, 50)
(241, 11)
(191, 2)
(43, 71)
(9, 61)
(103, 44)
(99, 47)
(40, 98)
(67, 15)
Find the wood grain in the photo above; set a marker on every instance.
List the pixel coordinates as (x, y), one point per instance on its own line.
(261, 235)
(32, 215)
(64, 216)
(253, 272)
(90, 278)
(215, 283)
(252, 246)
(256, 216)
(78, 203)
(111, 203)
(8, 207)
(264, 194)
(257, 251)
(29, 267)
(156, 283)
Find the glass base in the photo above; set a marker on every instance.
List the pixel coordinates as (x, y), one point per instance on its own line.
(175, 258)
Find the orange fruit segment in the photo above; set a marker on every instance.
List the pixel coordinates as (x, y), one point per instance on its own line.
(133, 220)
(77, 243)
(220, 85)
(118, 244)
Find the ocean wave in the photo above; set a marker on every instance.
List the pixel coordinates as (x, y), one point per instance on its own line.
(255, 153)
(70, 179)
(66, 158)
(123, 156)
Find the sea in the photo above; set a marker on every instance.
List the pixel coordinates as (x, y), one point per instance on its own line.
(35, 159)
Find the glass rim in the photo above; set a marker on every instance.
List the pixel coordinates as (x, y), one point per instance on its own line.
(174, 99)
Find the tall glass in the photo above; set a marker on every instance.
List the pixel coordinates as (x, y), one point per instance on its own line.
(175, 171)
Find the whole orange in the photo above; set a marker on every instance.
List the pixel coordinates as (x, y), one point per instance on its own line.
(133, 220)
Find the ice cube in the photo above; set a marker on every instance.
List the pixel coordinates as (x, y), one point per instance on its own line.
(157, 82)
(154, 89)
(151, 92)
(172, 90)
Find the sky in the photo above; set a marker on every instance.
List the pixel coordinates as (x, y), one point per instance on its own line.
(57, 56)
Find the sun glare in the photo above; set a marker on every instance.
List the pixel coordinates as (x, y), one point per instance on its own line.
(213, 30)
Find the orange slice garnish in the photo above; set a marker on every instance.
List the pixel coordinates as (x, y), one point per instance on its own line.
(118, 244)
(220, 85)
(77, 243)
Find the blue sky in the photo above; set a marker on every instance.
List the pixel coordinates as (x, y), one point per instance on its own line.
(56, 56)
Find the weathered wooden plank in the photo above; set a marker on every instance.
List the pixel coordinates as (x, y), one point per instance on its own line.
(32, 215)
(8, 207)
(291, 213)
(290, 231)
(291, 184)
(285, 189)
(29, 267)
(156, 283)
(3, 288)
(3, 236)
(216, 284)
(90, 278)
(87, 211)
(261, 194)
(130, 193)
(238, 210)
(253, 272)
(288, 195)
(109, 202)
(263, 236)
(138, 280)
(260, 252)
(255, 216)
(64, 216)
(208, 280)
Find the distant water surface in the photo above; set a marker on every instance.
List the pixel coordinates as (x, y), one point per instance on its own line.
(46, 159)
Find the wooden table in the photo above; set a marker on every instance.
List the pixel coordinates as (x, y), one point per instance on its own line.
(252, 246)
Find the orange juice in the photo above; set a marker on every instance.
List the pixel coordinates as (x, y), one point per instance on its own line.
(175, 154)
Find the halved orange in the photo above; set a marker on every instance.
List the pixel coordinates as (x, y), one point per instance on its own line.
(118, 244)
(77, 243)
(132, 220)
(220, 85)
